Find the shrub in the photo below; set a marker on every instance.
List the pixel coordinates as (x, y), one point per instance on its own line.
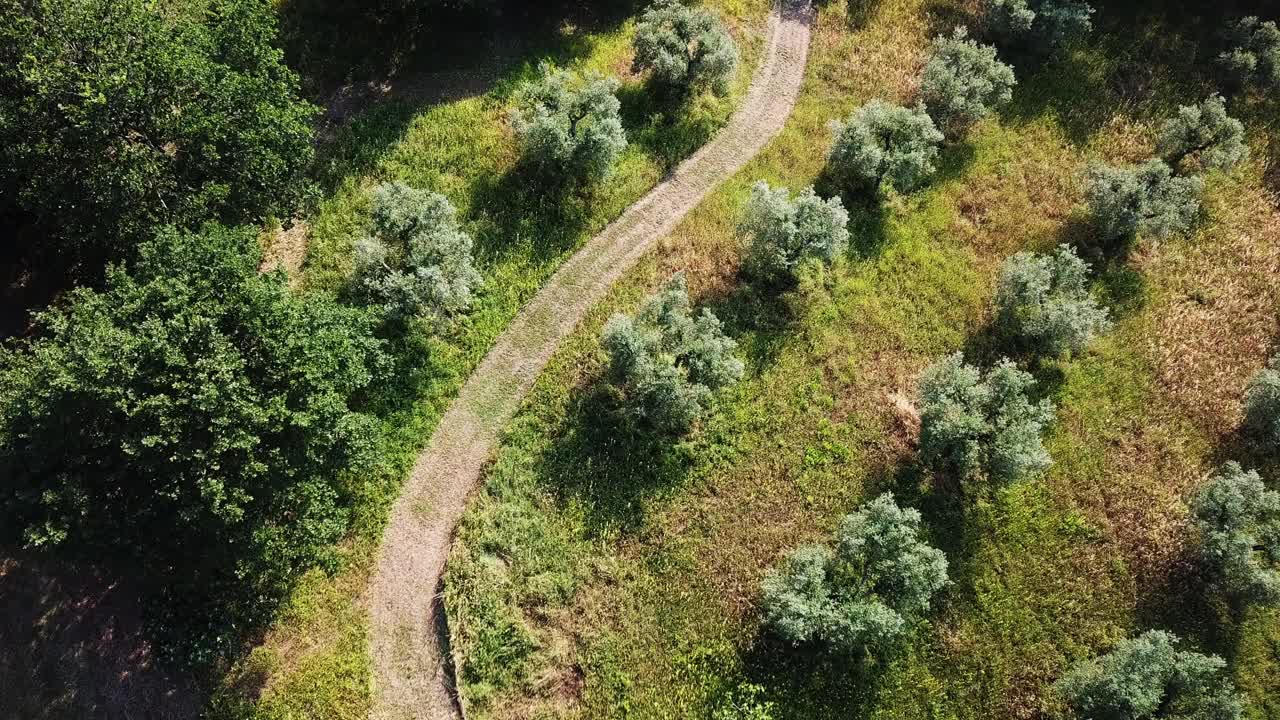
(568, 125)
(745, 703)
(1239, 523)
(785, 232)
(1044, 301)
(1148, 677)
(883, 144)
(1203, 136)
(668, 363)
(1262, 401)
(1146, 199)
(193, 420)
(1041, 25)
(861, 594)
(964, 81)
(1253, 53)
(419, 262)
(978, 424)
(686, 48)
(117, 117)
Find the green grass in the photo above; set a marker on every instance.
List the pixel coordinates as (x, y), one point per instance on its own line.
(655, 549)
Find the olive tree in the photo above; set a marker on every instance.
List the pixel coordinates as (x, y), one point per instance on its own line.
(686, 48)
(1238, 519)
(1148, 678)
(861, 594)
(964, 81)
(668, 363)
(418, 261)
(1044, 301)
(1262, 401)
(1037, 25)
(1147, 199)
(982, 424)
(882, 144)
(568, 125)
(1253, 53)
(1203, 137)
(785, 231)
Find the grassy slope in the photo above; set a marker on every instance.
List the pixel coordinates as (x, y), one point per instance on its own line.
(314, 661)
(602, 575)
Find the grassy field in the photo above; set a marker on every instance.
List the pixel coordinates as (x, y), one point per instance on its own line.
(603, 573)
(314, 661)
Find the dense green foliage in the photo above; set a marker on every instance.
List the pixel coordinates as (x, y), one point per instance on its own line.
(1239, 523)
(1252, 56)
(418, 261)
(860, 595)
(1146, 199)
(1148, 677)
(882, 144)
(785, 232)
(1040, 25)
(1044, 302)
(686, 48)
(964, 81)
(118, 116)
(982, 424)
(1262, 401)
(667, 362)
(1203, 137)
(194, 418)
(568, 125)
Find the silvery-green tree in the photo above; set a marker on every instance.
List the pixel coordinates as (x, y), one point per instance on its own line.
(1203, 137)
(667, 362)
(1149, 678)
(418, 261)
(1238, 519)
(860, 594)
(785, 231)
(1037, 25)
(1262, 401)
(686, 48)
(1253, 53)
(964, 81)
(882, 144)
(569, 125)
(982, 424)
(1044, 302)
(1147, 199)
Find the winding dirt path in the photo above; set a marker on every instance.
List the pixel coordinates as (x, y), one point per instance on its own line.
(409, 646)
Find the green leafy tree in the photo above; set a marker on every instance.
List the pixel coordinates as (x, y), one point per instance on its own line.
(982, 424)
(419, 261)
(1203, 137)
(1262, 401)
(1149, 678)
(193, 420)
(119, 116)
(686, 48)
(1044, 301)
(785, 231)
(964, 81)
(1147, 199)
(1253, 53)
(882, 144)
(860, 595)
(667, 362)
(568, 125)
(1239, 523)
(1038, 25)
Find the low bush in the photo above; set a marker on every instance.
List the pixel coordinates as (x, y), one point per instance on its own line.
(785, 232)
(882, 144)
(1147, 199)
(860, 595)
(1262, 401)
(666, 362)
(1043, 301)
(963, 81)
(1238, 519)
(686, 48)
(569, 125)
(1037, 25)
(1252, 56)
(1203, 137)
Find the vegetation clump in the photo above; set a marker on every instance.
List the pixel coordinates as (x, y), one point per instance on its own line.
(861, 594)
(686, 48)
(1262, 401)
(1044, 302)
(1203, 136)
(569, 125)
(419, 260)
(982, 424)
(1038, 24)
(882, 144)
(667, 362)
(1147, 199)
(1252, 56)
(1149, 678)
(786, 232)
(964, 81)
(1239, 523)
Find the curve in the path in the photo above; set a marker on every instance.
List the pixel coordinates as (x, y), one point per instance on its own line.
(411, 678)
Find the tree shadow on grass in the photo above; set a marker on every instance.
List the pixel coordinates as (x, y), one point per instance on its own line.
(670, 126)
(810, 681)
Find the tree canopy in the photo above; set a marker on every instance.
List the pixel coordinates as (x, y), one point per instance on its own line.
(785, 231)
(1239, 523)
(568, 125)
(963, 81)
(1148, 199)
(882, 144)
(1203, 137)
(1044, 301)
(685, 47)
